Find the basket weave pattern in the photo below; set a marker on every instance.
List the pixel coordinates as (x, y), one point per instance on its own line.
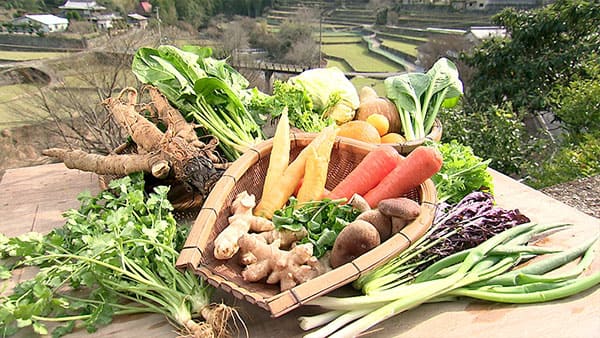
(248, 173)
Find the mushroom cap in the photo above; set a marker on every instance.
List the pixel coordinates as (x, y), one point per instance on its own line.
(354, 240)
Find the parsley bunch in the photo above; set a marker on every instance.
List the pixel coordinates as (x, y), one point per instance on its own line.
(115, 255)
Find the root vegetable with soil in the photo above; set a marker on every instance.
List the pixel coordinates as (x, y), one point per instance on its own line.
(175, 156)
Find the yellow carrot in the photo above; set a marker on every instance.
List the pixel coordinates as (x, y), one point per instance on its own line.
(280, 153)
(277, 197)
(315, 173)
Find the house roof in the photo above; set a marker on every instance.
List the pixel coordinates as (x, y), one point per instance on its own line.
(81, 4)
(146, 6)
(136, 16)
(47, 19)
(107, 17)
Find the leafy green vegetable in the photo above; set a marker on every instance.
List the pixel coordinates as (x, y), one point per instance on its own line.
(120, 245)
(296, 99)
(205, 90)
(419, 96)
(462, 173)
(333, 95)
(322, 219)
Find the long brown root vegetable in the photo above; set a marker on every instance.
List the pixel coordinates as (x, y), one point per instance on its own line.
(105, 165)
(172, 118)
(144, 133)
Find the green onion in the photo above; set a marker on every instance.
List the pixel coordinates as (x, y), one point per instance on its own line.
(483, 272)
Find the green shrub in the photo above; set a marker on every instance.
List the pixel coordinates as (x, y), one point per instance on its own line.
(494, 134)
(577, 104)
(569, 162)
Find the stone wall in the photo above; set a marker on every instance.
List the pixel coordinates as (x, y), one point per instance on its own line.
(23, 42)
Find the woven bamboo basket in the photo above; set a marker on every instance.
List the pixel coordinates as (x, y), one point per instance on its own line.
(435, 135)
(186, 202)
(248, 173)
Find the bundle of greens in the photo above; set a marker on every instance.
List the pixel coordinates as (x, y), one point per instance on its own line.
(419, 96)
(322, 219)
(115, 255)
(296, 99)
(461, 173)
(207, 91)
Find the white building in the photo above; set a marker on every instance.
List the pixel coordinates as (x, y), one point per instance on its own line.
(480, 33)
(86, 7)
(48, 23)
(106, 21)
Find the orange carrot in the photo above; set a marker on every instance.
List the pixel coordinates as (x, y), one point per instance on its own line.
(416, 168)
(368, 173)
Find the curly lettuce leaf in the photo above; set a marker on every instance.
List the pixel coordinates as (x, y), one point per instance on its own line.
(462, 173)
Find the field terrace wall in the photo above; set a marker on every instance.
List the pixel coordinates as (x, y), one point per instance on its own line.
(19, 42)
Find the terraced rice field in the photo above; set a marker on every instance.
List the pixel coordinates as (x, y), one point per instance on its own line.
(406, 48)
(27, 56)
(359, 58)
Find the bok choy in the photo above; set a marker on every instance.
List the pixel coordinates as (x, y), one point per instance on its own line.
(419, 96)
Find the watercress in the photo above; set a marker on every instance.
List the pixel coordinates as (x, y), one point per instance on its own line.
(322, 219)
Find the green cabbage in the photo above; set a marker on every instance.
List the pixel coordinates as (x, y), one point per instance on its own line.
(332, 93)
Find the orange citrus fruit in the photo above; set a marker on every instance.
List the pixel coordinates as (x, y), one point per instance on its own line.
(360, 130)
(380, 122)
(392, 138)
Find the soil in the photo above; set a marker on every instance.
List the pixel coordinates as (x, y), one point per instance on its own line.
(582, 194)
(21, 147)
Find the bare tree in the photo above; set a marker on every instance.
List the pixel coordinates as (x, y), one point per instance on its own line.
(303, 52)
(448, 46)
(235, 36)
(69, 110)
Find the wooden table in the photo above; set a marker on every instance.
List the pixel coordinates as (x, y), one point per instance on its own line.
(33, 199)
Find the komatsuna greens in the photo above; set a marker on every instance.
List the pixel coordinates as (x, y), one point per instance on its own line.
(419, 96)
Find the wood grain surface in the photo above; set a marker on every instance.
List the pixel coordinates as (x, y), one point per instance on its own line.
(34, 198)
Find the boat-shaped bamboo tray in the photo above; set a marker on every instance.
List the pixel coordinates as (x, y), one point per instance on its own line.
(247, 174)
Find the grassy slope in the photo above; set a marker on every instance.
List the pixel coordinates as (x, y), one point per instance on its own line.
(403, 47)
(13, 97)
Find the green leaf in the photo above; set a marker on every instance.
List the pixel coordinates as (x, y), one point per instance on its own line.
(40, 328)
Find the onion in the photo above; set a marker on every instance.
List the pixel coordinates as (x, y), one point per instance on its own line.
(371, 103)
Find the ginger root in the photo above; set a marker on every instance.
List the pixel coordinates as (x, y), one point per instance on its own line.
(240, 223)
(289, 268)
(286, 237)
